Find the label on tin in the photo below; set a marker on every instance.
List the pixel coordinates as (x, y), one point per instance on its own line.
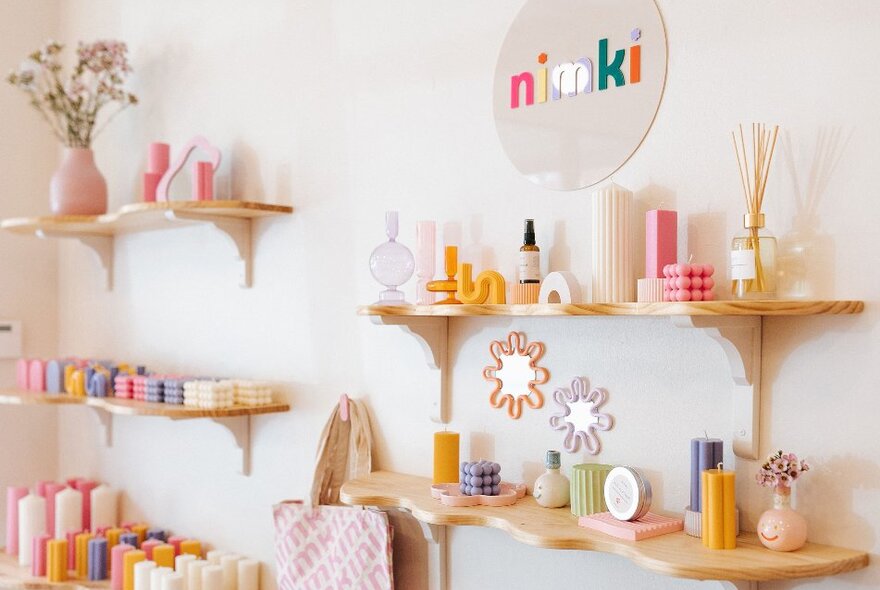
(742, 265)
(622, 495)
(530, 266)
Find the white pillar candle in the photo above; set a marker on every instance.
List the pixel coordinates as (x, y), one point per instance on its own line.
(173, 582)
(156, 577)
(613, 280)
(31, 523)
(214, 556)
(68, 512)
(212, 577)
(181, 563)
(229, 563)
(142, 571)
(248, 574)
(105, 507)
(194, 574)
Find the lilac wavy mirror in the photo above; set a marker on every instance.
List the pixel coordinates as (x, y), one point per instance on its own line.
(580, 416)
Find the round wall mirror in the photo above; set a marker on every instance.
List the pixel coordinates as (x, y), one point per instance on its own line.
(577, 86)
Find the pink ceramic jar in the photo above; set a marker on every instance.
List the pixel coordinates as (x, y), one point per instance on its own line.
(781, 528)
(77, 187)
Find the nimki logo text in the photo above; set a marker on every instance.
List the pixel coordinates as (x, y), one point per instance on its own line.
(575, 77)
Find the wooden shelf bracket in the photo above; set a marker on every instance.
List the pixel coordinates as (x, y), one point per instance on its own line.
(105, 421)
(432, 333)
(240, 429)
(101, 245)
(740, 339)
(438, 556)
(237, 230)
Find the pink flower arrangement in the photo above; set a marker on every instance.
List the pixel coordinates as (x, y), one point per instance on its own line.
(70, 106)
(781, 469)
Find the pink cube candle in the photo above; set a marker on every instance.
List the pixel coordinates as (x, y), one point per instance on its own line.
(661, 241)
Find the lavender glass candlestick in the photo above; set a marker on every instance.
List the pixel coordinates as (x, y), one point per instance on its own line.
(392, 264)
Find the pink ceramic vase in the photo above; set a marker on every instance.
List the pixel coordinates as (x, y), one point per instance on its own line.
(77, 187)
(781, 528)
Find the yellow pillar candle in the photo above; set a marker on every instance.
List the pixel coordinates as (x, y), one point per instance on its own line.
(141, 531)
(719, 509)
(113, 537)
(192, 547)
(56, 560)
(446, 457)
(128, 560)
(82, 554)
(163, 555)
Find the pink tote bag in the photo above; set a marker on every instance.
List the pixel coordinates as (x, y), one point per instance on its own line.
(322, 547)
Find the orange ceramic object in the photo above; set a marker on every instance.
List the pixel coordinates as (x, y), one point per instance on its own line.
(525, 293)
(488, 288)
(449, 286)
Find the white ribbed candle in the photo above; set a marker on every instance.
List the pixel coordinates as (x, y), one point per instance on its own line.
(194, 574)
(181, 563)
(105, 507)
(68, 512)
(229, 563)
(173, 582)
(248, 574)
(612, 245)
(157, 575)
(212, 577)
(31, 522)
(142, 572)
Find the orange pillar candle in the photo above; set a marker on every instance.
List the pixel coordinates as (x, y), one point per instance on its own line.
(719, 509)
(56, 560)
(82, 554)
(192, 547)
(446, 457)
(163, 555)
(128, 560)
(113, 537)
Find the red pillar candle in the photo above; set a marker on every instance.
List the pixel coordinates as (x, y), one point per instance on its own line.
(661, 241)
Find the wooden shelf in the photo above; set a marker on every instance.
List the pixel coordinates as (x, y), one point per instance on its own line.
(736, 326)
(691, 308)
(235, 419)
(675, 554)
(14, 577)
(232, 218)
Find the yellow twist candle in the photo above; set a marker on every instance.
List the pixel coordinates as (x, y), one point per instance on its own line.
(128, 560)
(728, 501)
(446, 457)
(82, 554)
(141, 531)
(192, 547)
(56, 560)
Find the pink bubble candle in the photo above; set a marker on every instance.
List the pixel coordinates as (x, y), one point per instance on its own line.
(689, 282)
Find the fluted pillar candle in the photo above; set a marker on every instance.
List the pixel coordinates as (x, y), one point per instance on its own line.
(613, 278)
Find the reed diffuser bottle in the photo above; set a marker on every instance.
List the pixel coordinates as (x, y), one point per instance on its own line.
(753, 252)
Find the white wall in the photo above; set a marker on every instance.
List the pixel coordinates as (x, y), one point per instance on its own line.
(347, 109)
(28, 277)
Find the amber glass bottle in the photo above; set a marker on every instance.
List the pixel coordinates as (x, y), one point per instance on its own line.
(529, 256)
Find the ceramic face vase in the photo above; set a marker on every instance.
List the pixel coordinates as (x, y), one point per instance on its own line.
(77, 187)
(781, 528)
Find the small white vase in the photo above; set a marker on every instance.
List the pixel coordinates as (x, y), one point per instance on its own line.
(552, 489)
(77, 186)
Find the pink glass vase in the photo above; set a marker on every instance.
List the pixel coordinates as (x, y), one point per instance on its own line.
(781, 528)
(77, 187)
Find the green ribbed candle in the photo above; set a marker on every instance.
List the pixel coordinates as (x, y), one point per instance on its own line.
(588, 488)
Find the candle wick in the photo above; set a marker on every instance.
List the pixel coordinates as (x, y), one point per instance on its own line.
(690, 258)
(706, 435)
(720, 466)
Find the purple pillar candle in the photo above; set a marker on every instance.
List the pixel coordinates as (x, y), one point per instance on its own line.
(706, 453)
(158, 534)
(98, 559)
(129, 539)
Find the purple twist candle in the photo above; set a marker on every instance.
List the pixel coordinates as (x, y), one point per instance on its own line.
(706, 453)
(129, 539)
(158, 534)
(98, 559)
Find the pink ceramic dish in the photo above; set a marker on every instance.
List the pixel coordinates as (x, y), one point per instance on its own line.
(450, 495)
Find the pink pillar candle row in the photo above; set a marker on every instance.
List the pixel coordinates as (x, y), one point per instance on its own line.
(689, 282)
(30, 374)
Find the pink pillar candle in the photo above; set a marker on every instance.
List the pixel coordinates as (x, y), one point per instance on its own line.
(148, 545)
(157, 159)
(150, 183)
(117, 571)
(50, 491)
(37, 375)
(661, 241)
(38, 565)
(85, 487)
(71, 549)
(13, 495)
(202, 181)
(175, 541)
(22, 368)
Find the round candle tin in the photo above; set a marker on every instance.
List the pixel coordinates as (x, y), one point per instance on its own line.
(627, 493)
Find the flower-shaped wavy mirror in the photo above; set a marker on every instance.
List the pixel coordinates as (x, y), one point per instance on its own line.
(580, 417)
(515, 374)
